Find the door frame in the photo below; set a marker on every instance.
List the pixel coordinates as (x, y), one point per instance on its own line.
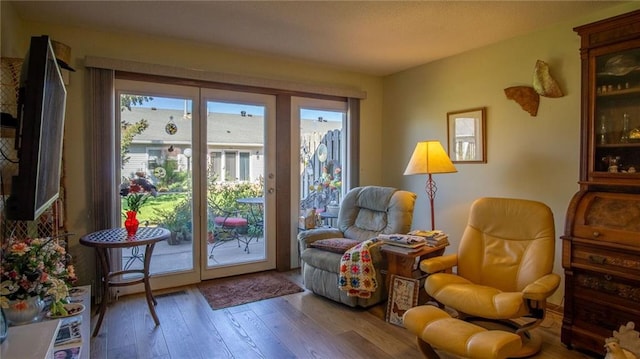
(269, 103)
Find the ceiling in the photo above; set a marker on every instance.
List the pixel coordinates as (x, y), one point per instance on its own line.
(371, 37)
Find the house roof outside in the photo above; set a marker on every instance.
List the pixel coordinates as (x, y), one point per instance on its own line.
(227, 130)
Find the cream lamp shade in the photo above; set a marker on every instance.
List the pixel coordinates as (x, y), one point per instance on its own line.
(429, 157)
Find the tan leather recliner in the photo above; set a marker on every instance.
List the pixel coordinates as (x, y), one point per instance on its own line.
(503, 266)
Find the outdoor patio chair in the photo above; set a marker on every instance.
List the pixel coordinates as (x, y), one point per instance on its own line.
(254, 209)
(227, 225)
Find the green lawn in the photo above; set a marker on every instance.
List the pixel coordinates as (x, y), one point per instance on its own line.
(166, 201)
(171, 210)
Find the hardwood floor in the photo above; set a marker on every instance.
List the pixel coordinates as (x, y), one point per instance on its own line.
(300, 325)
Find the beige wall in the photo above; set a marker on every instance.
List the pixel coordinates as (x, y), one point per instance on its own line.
(12, 39)
(179, 54)
(528, 157)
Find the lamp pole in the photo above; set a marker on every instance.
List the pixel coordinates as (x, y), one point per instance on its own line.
(431, 189)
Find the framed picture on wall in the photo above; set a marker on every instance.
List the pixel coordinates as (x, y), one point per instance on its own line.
(466, 135)
(403, 295)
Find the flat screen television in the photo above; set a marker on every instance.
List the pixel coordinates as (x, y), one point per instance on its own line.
(41, 109)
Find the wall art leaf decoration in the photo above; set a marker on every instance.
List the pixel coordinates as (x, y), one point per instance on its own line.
(543, 83)
(525, 96)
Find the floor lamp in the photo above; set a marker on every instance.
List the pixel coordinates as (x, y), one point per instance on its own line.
(429, 157)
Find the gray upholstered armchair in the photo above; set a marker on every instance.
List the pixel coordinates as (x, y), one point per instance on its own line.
(365, 212)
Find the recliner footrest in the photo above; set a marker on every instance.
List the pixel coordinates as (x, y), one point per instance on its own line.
(438, 329)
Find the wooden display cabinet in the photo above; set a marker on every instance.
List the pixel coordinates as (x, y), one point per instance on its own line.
(601, 242)
(611, 101)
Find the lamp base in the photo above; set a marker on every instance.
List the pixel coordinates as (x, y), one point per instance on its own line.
(431, 189)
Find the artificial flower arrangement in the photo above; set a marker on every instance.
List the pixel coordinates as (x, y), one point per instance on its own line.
(35, 267)
(327, 187)
(137, 192)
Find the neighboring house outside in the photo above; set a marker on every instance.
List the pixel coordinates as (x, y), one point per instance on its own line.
(235, 146)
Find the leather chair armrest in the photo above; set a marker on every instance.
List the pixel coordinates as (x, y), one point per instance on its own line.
(542, 288)
(309, 236)
(439, 264)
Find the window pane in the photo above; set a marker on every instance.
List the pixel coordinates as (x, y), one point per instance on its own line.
(165, 169)
(321, 154)
(230, 166)
(244, 166)
(216, 166)
(155, 158)
(235, 198)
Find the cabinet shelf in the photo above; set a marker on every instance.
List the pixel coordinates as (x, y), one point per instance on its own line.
(620, 145)
(618, 175)
(622, 92)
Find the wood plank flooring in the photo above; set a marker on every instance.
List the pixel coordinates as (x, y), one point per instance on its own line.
(301, 325)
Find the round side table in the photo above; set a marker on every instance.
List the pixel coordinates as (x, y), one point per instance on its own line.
(107, 239)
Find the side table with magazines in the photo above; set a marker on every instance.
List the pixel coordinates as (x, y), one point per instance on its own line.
(404, 253)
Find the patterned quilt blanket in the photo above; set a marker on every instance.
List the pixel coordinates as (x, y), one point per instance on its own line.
(357, 275)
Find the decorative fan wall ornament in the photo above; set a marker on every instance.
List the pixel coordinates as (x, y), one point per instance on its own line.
(525, 96)
(171, 128)
(543, 85)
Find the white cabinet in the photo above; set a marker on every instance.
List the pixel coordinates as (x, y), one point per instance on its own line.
(31, 341)
(36, 341)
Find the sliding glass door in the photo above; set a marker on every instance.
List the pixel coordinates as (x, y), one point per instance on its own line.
(201, 160)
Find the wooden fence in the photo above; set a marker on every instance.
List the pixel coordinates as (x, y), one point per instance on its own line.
(311, 168)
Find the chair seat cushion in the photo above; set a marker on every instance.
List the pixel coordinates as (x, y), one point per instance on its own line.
(336, 245)
(325, 260)
(231, 221)
(472, 299)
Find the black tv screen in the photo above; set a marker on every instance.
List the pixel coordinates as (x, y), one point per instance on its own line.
(41, 110)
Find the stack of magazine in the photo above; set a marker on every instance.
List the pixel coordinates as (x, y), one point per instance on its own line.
(414, 241)
(69, 339)
(402, 243)
(434, 238)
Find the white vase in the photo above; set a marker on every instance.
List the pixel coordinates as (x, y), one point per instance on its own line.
(23, 311)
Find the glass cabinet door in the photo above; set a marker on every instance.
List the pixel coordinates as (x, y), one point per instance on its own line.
(616, 116)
